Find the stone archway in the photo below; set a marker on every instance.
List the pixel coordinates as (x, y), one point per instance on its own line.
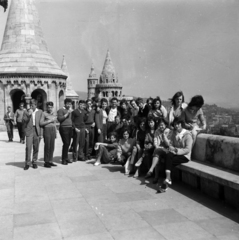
(61, 99)
(41, 97)
(17, 96)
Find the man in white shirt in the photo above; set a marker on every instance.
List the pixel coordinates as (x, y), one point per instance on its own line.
(113, 112)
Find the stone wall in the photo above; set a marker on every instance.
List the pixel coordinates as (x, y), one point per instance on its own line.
(220, 151)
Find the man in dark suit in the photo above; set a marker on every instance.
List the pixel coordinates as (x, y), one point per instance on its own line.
(9, 122)
(31, 119)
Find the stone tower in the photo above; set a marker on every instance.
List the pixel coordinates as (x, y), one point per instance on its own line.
(108, 86)
(70, 92)
(92, 82)
(27, 70)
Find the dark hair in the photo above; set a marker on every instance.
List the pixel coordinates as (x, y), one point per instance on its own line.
(149, 119)
(81, 101)
(113, 134)
(88, 100)
(162, 120)
(117, 116)
(49, 104)
(21, 104)
(149, 99)
(114, 99)
(177, 95)
(196, 101)
(139, 100)
(103, 100)
(132, 101)
(123, 101)
(178, 121)
(67, 100)
(142, 120)
(125, 129)
(33, 101)
(155, 100)
(9, 107)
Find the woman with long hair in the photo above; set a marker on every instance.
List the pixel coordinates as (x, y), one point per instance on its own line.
(178, 105)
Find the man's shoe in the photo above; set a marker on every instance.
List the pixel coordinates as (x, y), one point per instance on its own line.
(34, 165)
(74, 160)
(26, 167)
(81, 159)
(69, 161)
(64, 163)
(23, 142)
(47, 165)
(53, 164)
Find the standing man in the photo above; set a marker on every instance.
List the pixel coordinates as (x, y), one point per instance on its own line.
(90, 129)
(48, 122)
(113, 112)
(9, 122)
(31, 120)
(78, 123)
(64, 117)
(18, 116)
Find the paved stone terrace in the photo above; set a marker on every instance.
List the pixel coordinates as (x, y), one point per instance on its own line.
(80, 201)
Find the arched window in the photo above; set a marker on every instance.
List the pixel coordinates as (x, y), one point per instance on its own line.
(113, 80)
(116, 93)
(113, 94)
(106, 94)
(106, 80)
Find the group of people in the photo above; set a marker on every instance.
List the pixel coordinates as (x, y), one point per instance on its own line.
(145, 138)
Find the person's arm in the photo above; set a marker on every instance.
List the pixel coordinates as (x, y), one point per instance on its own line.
(61, 116)
(27, 116)
(186, 124)
(164, 112)
(73, 119)
(202, 121)
(44, 121)
(119, 151)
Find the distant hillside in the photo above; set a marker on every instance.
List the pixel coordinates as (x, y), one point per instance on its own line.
(82, 95)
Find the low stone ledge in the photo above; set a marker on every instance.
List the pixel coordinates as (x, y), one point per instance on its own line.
(217, 150)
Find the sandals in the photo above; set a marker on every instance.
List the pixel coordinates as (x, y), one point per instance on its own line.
(164, 187)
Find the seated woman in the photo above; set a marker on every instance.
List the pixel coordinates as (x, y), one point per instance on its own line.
(161, 143)
(107, 152)
(158, 111)
(125, 153)
(178, 105)
(194, 114)
(180, 148)
(144, 163)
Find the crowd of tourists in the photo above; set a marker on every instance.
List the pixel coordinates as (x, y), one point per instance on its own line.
(145, 138)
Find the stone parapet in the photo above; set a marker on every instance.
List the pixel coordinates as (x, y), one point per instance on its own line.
(217, 150)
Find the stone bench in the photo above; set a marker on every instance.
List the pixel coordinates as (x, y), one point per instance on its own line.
(214, 168)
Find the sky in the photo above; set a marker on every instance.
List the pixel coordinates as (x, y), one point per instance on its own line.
(158, 47)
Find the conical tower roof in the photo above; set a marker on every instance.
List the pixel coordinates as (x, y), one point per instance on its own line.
(24, 50)
(108, 74)
(69, 89)
(92, 72)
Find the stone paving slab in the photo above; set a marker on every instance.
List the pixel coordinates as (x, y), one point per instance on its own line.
(80, 201)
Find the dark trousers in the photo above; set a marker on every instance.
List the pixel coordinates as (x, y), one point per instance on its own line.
(89, 140)
(21, 131)
(32, 141)
(103, 155)
(173, 160)
(9, 127)
(79, 144)
(49, 136)
(102, 137)
(65, 133)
